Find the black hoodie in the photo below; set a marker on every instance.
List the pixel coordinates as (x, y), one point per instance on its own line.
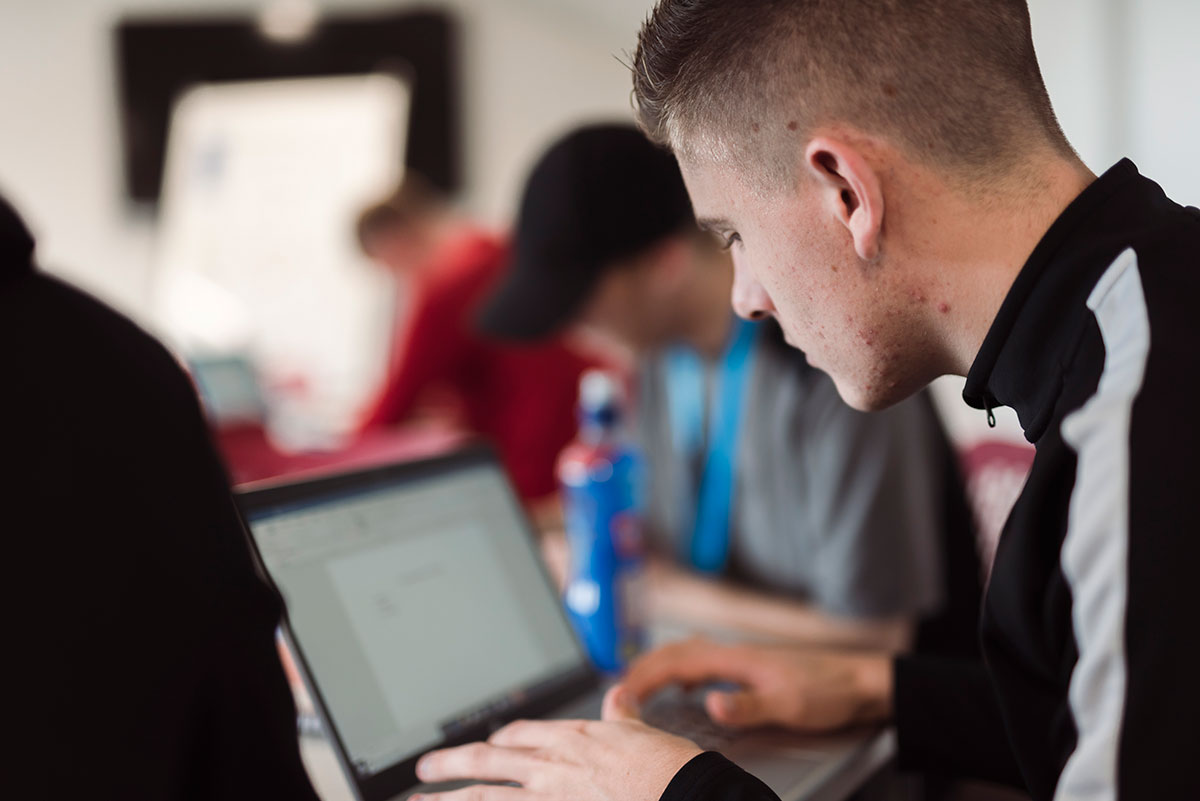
(139, 641)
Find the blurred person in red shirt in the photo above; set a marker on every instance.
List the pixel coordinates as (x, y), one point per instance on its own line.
(522, 398)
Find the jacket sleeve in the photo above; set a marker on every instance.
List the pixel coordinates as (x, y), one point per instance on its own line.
(712, 777)
(948, 721)
(1133, 540)
(1158, 720)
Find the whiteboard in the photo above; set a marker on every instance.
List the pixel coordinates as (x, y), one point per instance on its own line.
(256, 253)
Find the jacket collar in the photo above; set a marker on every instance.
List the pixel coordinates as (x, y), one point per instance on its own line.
(1044, 315)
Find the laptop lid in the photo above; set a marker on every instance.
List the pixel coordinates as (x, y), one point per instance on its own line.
(418, 610)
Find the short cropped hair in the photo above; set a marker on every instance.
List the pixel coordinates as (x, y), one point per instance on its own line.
(952, 83)
(412, 199)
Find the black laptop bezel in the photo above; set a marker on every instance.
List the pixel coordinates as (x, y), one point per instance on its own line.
(402, 776)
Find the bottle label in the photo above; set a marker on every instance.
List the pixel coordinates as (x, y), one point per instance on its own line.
(605, 593)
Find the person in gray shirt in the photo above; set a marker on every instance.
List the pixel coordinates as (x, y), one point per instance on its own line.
(772, 506)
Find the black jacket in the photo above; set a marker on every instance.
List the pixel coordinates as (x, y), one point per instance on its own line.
(139, 649)
(1090, 689)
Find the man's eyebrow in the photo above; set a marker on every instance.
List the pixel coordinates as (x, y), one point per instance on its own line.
(713, 224)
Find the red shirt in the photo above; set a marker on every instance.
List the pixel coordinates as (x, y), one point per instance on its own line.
(522, 398)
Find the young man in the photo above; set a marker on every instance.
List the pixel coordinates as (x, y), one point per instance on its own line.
(140, 642)
(898, 194)
(521, 398)
(829, 527)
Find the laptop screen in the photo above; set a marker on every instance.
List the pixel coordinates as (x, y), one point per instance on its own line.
(419, 605)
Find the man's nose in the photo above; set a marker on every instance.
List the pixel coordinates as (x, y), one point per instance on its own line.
(750, 300)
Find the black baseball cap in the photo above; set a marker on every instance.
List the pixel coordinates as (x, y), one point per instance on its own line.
(600, 194)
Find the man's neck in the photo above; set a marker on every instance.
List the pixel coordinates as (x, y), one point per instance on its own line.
(987, 244)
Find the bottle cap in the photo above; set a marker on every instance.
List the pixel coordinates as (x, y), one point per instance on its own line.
(598, 389)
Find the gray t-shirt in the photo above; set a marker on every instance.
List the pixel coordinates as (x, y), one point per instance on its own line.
(830, 505)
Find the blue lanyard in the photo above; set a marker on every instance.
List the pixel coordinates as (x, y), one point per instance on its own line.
(707, 511)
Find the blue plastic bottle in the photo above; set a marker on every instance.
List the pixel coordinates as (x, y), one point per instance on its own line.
(600, 476)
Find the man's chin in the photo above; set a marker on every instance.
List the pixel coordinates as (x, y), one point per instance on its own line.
(863, 398)
(870, 398)
(856, 400)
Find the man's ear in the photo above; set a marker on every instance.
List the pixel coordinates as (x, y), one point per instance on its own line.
(851, 191)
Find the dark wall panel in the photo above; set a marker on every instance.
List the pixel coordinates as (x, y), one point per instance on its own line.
(159, 58)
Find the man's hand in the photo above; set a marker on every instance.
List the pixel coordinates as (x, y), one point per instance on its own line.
(620, 758)
(801, 689)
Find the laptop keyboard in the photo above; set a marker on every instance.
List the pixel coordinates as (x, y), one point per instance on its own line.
(686, 717)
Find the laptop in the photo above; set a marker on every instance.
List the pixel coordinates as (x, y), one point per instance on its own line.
(228, 388)
(420, 616)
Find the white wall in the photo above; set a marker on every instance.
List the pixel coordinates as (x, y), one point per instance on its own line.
(1164, 94)
(1124, 76)
(1072, 40)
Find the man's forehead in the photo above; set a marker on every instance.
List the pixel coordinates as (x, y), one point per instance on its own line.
(708, 190)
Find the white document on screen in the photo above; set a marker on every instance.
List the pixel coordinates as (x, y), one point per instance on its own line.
(402, 600)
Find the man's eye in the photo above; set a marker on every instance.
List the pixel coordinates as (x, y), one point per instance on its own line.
(727, 241)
